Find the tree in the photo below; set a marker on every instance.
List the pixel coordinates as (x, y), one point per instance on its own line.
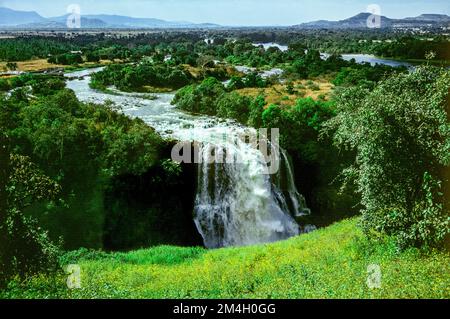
(92, 57)
(401, 134)
(24, 247)
(5, 259)
(28, 249)
(200, 98)
(12, 66)
(234, 106)
(256, 111)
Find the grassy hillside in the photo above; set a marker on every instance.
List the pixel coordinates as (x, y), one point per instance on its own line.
(329, 263)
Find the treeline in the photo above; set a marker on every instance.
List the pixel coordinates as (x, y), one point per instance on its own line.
(384, 44)
(414, 48)
(187, 47)
(22, 49)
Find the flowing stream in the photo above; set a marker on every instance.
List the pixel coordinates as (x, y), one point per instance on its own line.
(237, 202)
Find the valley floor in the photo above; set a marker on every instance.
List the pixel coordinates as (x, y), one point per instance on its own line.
(328, 263)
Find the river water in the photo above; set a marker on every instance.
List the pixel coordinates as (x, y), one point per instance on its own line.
(359, 58)
(237, 203)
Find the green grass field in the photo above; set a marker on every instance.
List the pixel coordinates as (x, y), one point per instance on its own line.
(328, 263)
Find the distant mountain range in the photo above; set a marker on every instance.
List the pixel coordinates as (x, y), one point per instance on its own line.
(360, 21)
(31, 20)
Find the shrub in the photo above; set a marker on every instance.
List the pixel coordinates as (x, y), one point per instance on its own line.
(200, 98)
(256, 109)
(4, 85)
(234, 106)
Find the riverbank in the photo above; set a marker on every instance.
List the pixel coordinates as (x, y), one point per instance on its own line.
(42, 65)
(416, 62)
(327, 263)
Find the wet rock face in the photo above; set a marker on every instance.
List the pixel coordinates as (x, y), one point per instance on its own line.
(151, 209)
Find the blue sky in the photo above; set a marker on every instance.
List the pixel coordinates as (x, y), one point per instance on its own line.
(235, 12)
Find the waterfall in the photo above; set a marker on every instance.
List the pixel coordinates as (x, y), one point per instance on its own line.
(237, 203)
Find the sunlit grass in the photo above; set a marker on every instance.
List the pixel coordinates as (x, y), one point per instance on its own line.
(36, 65)
(279, 95)
(328, 263)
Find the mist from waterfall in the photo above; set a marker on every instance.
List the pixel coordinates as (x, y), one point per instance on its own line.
(238, 203)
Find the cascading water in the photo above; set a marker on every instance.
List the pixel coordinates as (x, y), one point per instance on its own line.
(237, 202)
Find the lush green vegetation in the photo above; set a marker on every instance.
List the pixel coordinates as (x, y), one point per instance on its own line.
(28, 48)
(67, 59)
(364, 75)
(137, 77)
(51, 195)
(251, 80)
(328, 263)
(190, 48)
(401, 134)
(40, 84)
(78, 175)
(402, 198)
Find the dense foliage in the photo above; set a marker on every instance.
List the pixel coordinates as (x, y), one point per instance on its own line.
(137, 77)
(67, 59)
(77, 175)
(364, 75)
(40, 84)
(27, 48)
(401, 134)
(190, 47)
(251, 80)
(50, 193)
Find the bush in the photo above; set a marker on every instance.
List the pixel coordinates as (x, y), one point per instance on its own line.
(66, 59)
(256, 109)
(26, 248)
(234, 106)
(4, 85)
(200, 98)
(48, 87)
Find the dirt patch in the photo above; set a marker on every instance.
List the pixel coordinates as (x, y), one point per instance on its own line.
(42, 65)
(32, 65)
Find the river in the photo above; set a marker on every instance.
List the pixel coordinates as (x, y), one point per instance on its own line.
(237, 202)
(359, 58)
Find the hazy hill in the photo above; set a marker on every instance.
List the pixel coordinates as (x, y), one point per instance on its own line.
(360, 21)
(9, 17)
(31, 20)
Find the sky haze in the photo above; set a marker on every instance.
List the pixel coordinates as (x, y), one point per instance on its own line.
(235, 12)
